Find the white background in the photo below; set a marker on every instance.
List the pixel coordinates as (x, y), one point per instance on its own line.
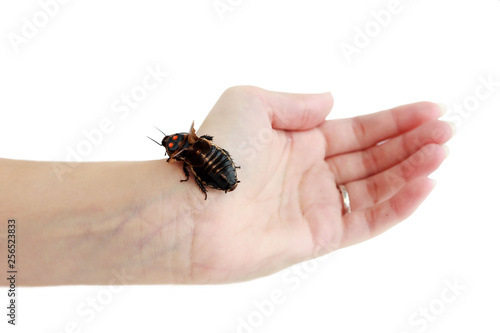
(64, 79)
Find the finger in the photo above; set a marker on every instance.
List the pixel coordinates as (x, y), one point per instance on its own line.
(365, 224)
(297, 111)
(377, 188)
(364, 163)
(352, 134)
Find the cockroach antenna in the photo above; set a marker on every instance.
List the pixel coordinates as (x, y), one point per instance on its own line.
(159, 144)
(160, 131)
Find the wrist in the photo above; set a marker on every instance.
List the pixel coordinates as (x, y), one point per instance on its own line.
(148, 225)
(163, 218)
(129, 219)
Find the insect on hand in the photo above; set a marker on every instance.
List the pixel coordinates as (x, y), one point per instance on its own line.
(211, 165)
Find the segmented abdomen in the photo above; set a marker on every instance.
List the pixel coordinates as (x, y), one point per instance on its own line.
(218, 170)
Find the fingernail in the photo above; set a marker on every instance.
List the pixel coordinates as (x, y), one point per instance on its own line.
(446, 150)
(434, 182)
(443, 108)
(453, 128)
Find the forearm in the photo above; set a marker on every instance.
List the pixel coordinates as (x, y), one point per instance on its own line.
(101, 221)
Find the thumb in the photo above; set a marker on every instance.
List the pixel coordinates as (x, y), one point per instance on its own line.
(289, 111)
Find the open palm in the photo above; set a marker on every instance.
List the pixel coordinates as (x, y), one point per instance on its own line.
(287, 207)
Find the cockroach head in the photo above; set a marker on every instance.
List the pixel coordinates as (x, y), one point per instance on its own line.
(176, 143)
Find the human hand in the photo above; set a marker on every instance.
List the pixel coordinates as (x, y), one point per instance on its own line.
(287, 207)
(149, 228)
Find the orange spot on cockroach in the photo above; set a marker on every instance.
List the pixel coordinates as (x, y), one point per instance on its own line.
(170, 145)
(175, 137)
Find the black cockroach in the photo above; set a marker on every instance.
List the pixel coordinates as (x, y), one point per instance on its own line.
(211, 165)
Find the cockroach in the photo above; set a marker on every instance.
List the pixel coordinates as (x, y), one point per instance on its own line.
(211, 165)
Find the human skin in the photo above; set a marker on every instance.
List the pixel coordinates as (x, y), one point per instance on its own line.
(138, 221)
